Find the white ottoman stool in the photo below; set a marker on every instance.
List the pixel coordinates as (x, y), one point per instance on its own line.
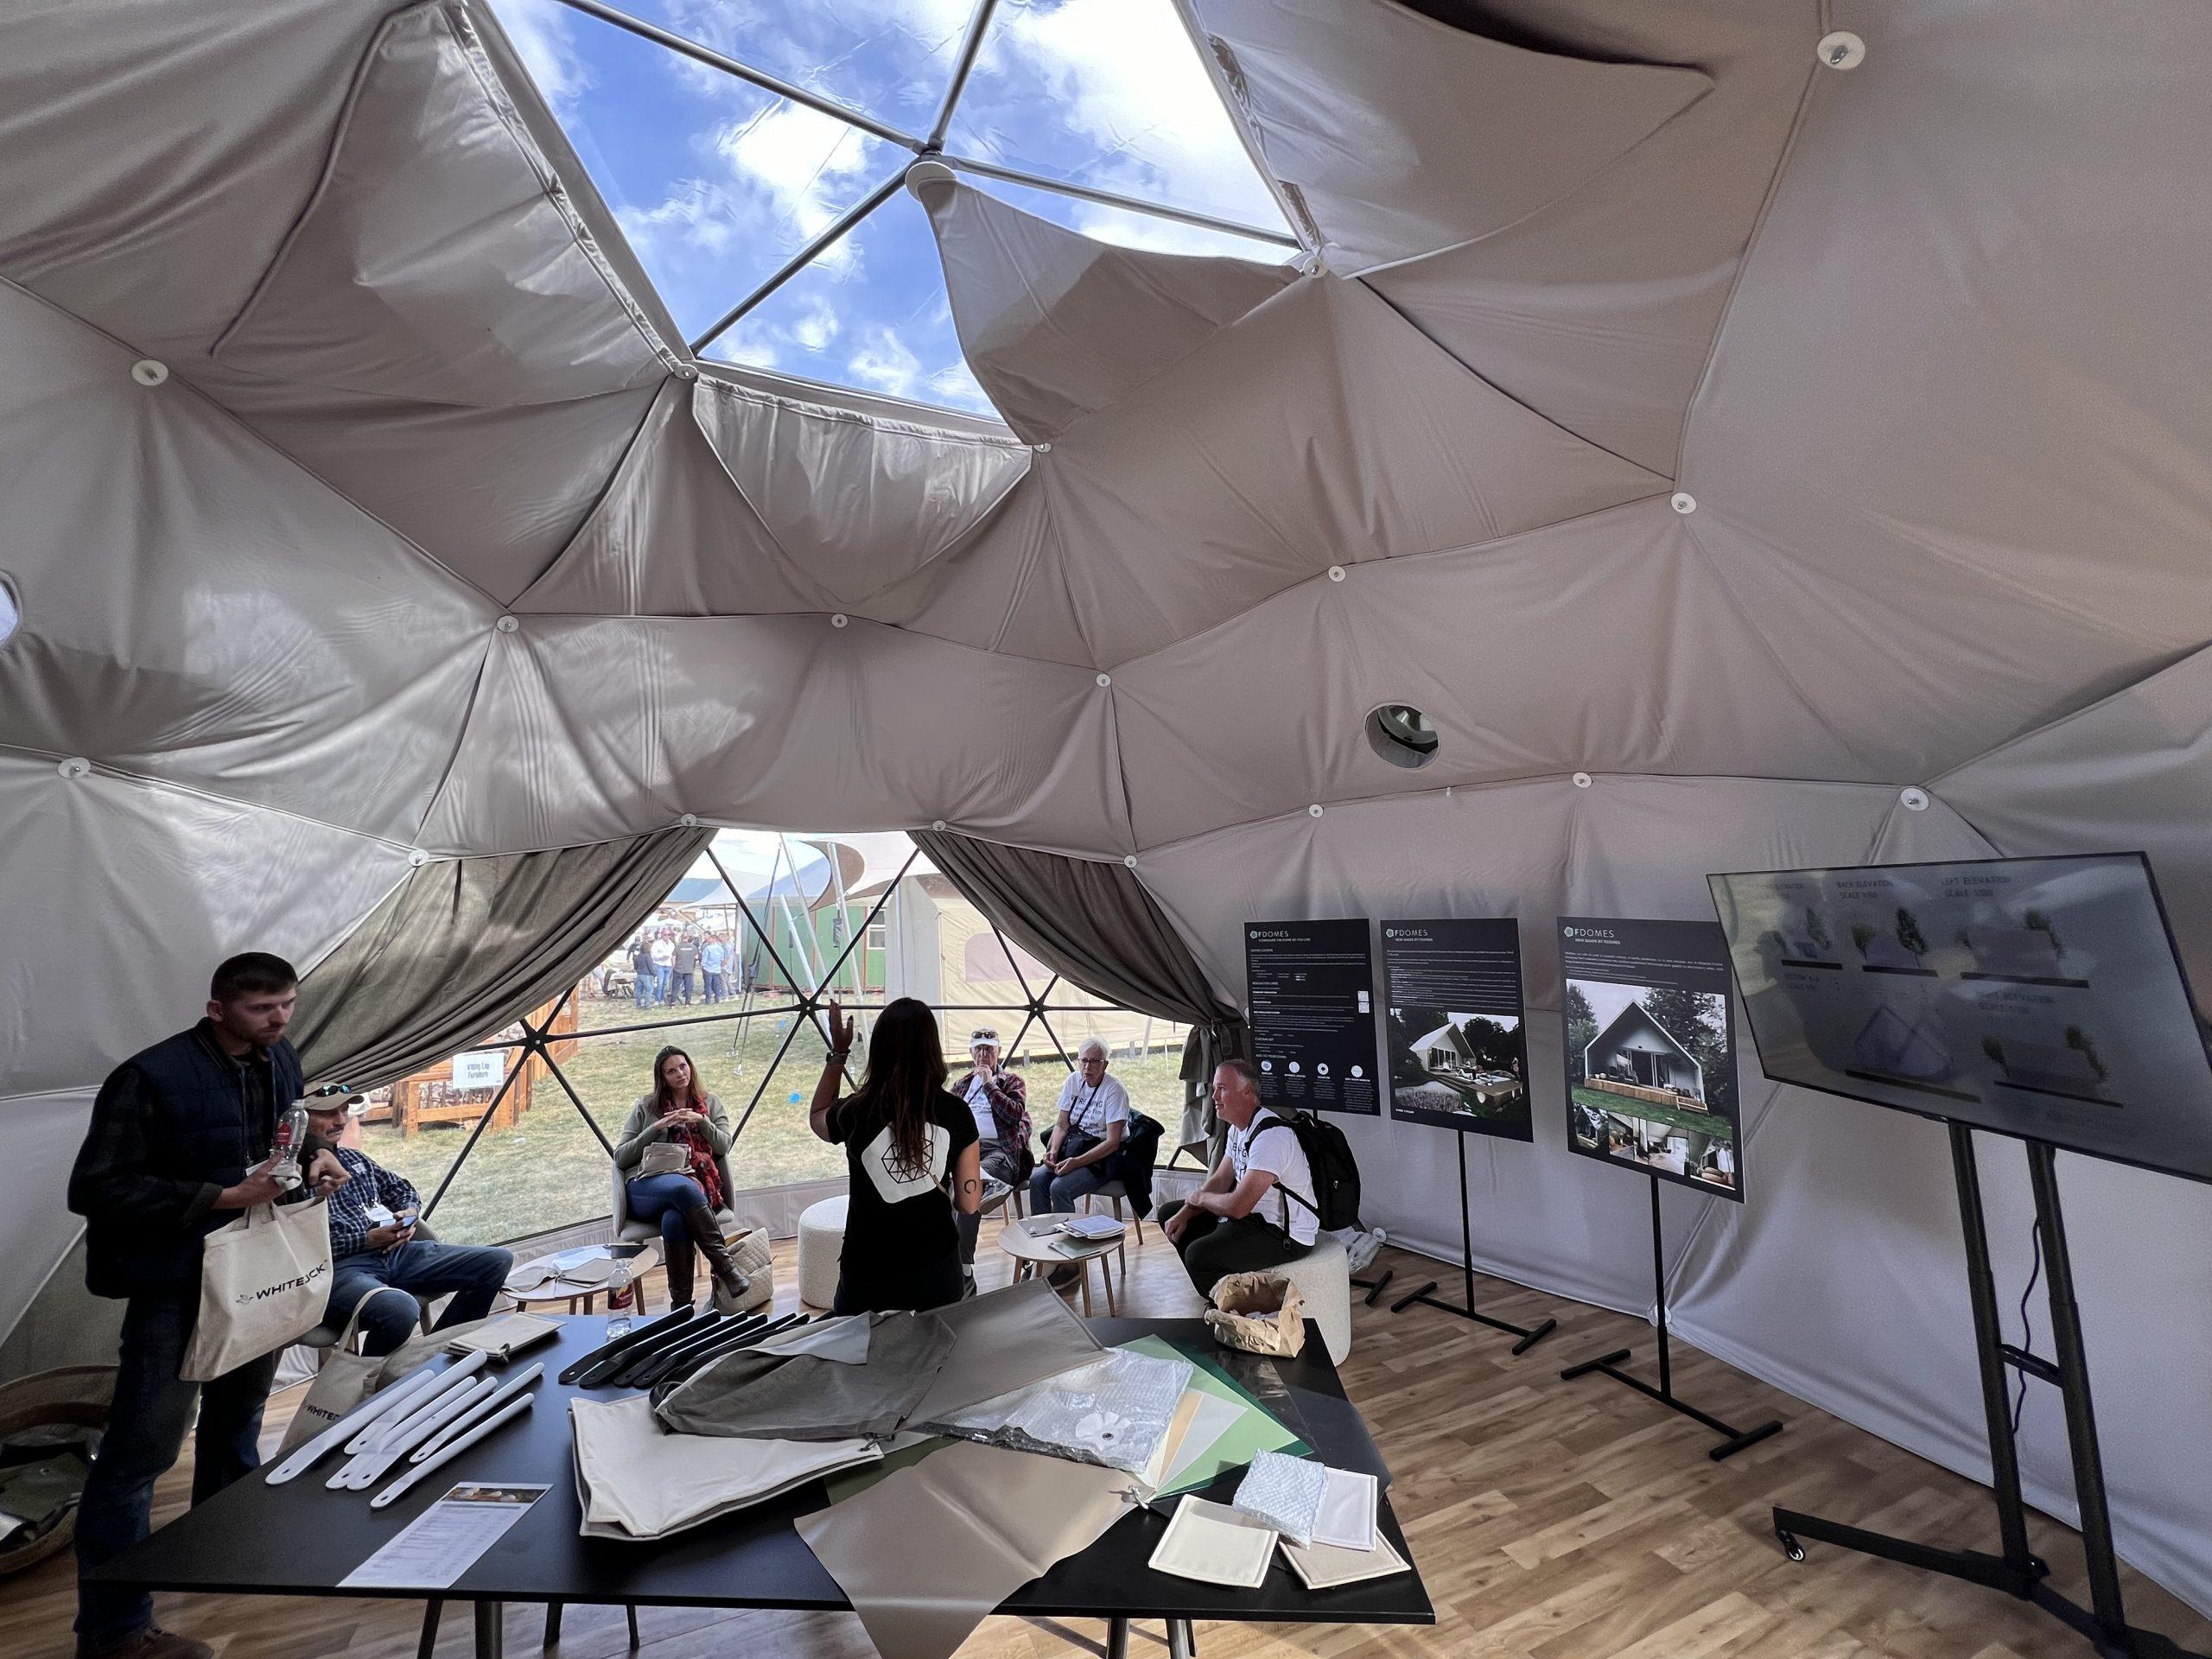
(1323, 1276)
(822, 1240)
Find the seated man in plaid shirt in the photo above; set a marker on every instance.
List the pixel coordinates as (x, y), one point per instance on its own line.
(372, 1243)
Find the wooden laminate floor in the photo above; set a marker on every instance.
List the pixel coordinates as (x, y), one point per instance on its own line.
(1551, 1520)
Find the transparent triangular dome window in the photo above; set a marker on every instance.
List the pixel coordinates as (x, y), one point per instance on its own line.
(871, 315)
(1127, 228)
(1111, 94)
(714, 182)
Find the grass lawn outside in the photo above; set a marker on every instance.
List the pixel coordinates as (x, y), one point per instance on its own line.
(550, 1170)
(1674, 1117)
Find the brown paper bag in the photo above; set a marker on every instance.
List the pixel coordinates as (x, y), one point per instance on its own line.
(1261, 1312)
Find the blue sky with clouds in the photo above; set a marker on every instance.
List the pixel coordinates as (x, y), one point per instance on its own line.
(716, 184)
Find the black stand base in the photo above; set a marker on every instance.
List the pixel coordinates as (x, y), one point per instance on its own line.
(1792, 1528)
(1733, 1439)
(1529, 1338)
(1427, 1294)
(1374, 1287)
(2018, 1572)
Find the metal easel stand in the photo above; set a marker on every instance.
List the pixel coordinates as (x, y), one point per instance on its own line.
(1528, 1337)
(1733, 1439)
(2018, 1571)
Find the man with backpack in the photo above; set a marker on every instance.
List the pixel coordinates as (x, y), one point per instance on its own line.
(1224, 1228)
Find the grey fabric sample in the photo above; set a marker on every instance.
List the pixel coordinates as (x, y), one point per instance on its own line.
(636, 1480)
(772, 1395)
(1095, 924)
(1004, 1339)
(928, 1550)
(845, 1341)
(460, 949)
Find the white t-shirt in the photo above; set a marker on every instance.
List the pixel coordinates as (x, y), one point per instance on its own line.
(979, 1101)
(1279, 1153)
(1093, 1111)
(663, 953)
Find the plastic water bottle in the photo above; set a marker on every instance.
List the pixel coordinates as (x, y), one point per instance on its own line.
(291, 1136)
(622, 1297)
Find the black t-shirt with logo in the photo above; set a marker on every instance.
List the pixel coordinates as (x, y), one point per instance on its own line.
(902, 1249)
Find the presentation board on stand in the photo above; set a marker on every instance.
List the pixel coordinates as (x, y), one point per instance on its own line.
(2041, 999)
(1310, 986)
(1650, 1049)
(1458, 1056)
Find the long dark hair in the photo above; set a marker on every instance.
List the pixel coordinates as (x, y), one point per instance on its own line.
(906, 1071)
(662, 1102)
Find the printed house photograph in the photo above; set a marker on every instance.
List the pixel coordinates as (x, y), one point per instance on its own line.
(1651, 1080)
(1446, 1064)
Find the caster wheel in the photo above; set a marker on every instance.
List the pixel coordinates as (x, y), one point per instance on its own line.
(1790, 1547)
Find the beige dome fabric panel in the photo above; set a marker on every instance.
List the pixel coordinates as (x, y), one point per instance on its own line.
(1399, 134)
(1605, 644)
(1319, 429)
(199, 610)
(587, 729)
(1056, 325)
(1599, 310)
(142, 220)
(433, 179)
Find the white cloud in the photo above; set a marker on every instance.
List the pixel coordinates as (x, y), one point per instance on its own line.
(816, 327)
(886, 363)
(543, 38)
(800, 158)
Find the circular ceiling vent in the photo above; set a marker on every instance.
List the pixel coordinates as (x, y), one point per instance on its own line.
(1401, 734)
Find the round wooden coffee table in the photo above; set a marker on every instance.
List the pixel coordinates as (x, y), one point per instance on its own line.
(1034, 1243)
(586, 1290)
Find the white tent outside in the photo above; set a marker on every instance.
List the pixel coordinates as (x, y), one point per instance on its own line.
(1746, 459)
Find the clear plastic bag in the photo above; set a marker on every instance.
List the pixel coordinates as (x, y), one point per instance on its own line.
(1114, 1411)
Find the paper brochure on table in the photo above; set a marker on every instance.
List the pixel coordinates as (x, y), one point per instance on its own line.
(434, 1550)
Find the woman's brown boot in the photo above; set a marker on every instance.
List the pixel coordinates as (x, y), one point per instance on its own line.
(730, 1285)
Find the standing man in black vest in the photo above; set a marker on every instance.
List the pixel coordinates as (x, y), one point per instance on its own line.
(179, 1145)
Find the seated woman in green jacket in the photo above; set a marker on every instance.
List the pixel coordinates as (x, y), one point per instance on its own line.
(679, 1113)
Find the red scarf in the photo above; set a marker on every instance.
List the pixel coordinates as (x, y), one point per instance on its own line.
(703, 1168)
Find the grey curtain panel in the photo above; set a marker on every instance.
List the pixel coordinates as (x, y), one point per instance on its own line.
(464, 946)
(1093, 923)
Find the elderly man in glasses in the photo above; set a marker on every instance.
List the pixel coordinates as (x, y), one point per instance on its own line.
(1000, 1102)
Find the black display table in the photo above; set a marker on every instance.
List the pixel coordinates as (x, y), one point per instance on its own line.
(300, 1539)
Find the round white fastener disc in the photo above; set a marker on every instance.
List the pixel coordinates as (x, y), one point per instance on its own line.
(939, 824)
(75, 767)
(1914, 800)
(1336, 573)
(1582, 780)
(506, 625)
(147, 371)
(1682, 501)
(1843, 50)
(838, 620)
(1129, 859)
(1313, 811)
(1105, 680)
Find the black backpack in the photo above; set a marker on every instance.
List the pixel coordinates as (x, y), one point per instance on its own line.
(1336, 1172)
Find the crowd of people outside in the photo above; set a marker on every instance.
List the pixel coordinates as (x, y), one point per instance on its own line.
(671, 965)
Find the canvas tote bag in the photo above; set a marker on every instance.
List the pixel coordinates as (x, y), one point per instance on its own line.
(264, 1281)
(346, 1378)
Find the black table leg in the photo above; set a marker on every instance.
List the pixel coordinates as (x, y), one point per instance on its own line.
(491, 1630)
(1182, 1640)
(1117, 1638)
(431, 1609)
(630, 1612)
(552, 1624)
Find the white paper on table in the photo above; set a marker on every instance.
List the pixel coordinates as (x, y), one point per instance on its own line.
(1346, 1520)
(1216, 1416)
(432, 1551)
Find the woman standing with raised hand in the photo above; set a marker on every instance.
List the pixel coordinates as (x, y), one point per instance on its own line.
(903, 1134)
(680, 1113)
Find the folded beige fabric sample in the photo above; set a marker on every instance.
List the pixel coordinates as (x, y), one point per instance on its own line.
(635, 1479)
(927, 1552)
(1214, 1544)
(1002, 1340)
(1321, 1566)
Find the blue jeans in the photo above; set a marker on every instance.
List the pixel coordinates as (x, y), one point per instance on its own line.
(1050, 1193)
(665, 1198)
(661, 979)
(145, 1432)
(714, 992)
(684, 985)
(472, 1273)
(644, 986)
